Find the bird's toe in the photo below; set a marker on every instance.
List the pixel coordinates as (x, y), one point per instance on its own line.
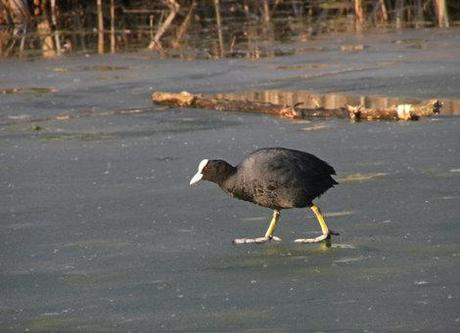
(276, 239)
(258, 240)
(313, 240)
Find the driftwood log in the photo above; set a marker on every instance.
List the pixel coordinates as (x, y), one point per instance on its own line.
(396, 112)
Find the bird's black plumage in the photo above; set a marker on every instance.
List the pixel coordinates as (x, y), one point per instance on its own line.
(276, 178)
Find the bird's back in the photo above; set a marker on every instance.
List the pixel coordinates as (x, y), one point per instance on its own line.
(281, 178)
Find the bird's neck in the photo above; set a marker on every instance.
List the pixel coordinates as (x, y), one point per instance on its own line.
(226, 175)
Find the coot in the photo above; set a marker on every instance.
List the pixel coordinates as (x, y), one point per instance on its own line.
(276, 178)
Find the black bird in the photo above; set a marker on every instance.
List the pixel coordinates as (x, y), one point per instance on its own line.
(276, 178)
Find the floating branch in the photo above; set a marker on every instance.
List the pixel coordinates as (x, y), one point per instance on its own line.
(396, 112)
(354, 112)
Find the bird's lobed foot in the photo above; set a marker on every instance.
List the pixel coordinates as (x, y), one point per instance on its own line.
(258, 240)
(317, 239)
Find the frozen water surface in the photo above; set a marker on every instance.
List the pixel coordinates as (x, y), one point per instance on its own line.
(101, 232)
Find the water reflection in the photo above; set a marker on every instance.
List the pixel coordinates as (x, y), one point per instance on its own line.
(312, 100)
(195, 28)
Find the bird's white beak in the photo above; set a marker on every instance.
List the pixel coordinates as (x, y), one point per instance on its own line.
(199, 175)
(196, 178)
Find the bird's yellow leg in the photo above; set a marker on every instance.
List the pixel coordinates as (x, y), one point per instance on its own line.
(273, 223)
(320, 219)
(325, 230)
(268, 235)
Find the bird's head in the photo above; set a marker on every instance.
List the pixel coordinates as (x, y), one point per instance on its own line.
(212, 170)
